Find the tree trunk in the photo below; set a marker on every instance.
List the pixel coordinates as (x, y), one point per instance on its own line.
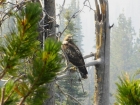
(102, 30)
(49, 22)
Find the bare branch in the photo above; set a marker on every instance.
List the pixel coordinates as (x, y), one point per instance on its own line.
(89, 5)
(90, 55)
(63, 71)
(95, 62)
(9, 95)
(20, 77)
(2, 95)
(56, 94)
(8, 3)
(68, 95)
(6, 81)
(41, 3)
(62, 7)
(73, 16)
(2, 73)
(85, 2)
(15, 6)
(59, 77)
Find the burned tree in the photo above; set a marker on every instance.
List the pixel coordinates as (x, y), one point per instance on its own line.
(102, 54)
(101, 95)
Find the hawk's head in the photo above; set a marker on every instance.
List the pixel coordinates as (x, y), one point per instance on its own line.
(67, 39)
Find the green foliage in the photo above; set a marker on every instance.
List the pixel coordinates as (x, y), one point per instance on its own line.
(128, 91)
(46, 63)
(21, 43)
(27, 67)
(38, 97)
(124, 50)
(9, 90)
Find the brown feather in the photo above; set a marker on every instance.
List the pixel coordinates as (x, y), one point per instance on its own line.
(74, 55)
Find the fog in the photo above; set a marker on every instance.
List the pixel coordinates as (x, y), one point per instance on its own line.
(128, 7)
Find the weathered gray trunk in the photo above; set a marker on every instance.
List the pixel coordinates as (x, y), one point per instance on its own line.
(101, 95)
(49, 6)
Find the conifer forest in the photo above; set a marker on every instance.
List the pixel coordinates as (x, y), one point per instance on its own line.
(69, 52)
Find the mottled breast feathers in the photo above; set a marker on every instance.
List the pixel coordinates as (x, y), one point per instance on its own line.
(74, 55)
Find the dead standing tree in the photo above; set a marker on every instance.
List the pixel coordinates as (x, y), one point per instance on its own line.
(102, 55)
(102, 31)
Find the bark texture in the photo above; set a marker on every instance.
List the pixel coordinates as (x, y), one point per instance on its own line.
(102, 31)
(49, 21)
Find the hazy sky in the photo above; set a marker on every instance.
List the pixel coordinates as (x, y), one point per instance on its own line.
(87, 19)
(131, 8)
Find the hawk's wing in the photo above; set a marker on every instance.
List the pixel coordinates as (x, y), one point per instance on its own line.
(73, 54)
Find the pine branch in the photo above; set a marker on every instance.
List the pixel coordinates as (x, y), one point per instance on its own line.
(10, 94)
(20, 77)
(18, 46)
(24, 98)
(2, 95)
(62, 7)
(33, 87)
(2, 74)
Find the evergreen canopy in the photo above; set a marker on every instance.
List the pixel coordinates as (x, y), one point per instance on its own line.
(23, 63)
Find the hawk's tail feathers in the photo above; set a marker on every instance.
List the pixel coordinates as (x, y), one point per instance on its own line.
(83, 72)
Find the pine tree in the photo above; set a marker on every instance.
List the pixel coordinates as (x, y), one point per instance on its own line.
(128, 92)
(73, 24)
(124, 50)
(26, 67)
(71, 29)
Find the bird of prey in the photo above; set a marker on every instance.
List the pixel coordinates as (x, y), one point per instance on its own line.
(73, 54)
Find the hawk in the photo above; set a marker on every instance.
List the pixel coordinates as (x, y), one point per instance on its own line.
(74, 55)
